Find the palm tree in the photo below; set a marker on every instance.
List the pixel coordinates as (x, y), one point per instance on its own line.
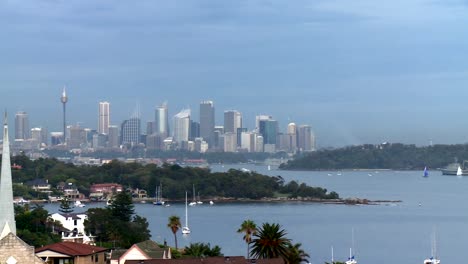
(270, 242)
(249, 228)
(296, 254)
(174, 224)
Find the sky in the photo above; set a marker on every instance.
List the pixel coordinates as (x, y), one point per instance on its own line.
(361, 71)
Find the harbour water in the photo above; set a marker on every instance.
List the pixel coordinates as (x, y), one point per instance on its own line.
(384, 233)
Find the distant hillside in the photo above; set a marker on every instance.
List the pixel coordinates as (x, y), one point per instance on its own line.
(384, 156)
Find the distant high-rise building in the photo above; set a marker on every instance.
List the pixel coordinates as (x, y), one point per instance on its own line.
(182, 126)
(162, 120)
(207, 121)
(229, 140)
(232, 121)
(306, 139)
(249, 141)
(194, 130)
(21, 125)
(113, 137)
(39, 135)
(104, 118)
(64, 100)
(150, 128)
(260, 118)
(269, 130)
(130, 131)
(77, 137)
(56, 138)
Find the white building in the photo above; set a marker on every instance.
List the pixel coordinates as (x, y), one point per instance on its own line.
(73, 225)
(182, 126)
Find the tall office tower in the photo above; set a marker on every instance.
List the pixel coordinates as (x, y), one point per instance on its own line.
(218, 131)
(130, 131)
(260, 118)
(113, 137)
(194, 130)
(21, 125)
(305, 138)
(104, 118)
(207, 121)
(182, 126)
(249, 140)
(292, 137)
(229, 140)
(56, 138)
(7, 214)
(39, 135)
(269, 130)
(77, 138)
(162, 120)
(64, 100)
(240, 130)
(232, 121)
(150, 128)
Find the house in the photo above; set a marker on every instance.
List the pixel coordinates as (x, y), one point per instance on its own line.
(141, 251)
(73, 227)
(208, 260)
(71, 252)
(40, 185)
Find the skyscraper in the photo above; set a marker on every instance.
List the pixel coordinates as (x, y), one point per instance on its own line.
(161, 119)
(104, 118)
(182, 126)
(113, 137)
(207, 121)
(64, 100)
(7, 214)
(21, 125)
(306, 140)
(269, 130)
(130, 131)
(232, 121)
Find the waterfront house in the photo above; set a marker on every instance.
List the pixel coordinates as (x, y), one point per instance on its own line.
(71, 252)
(145, 250)
(73, 227)
(40, 185)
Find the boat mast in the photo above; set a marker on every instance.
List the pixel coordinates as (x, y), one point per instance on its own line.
(186, 210)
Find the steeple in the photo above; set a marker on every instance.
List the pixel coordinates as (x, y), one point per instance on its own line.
(7, 214)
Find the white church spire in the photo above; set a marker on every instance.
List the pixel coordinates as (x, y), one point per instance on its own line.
(7, 214)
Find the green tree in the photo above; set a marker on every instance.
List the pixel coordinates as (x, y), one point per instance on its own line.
(122, 207)
(296, 254)
(270, 242)
(174, 224)
(33, 227)
(202, 250)
(249, 228)
(65, 206)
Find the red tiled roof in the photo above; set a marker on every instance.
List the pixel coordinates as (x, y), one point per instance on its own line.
(72, 249)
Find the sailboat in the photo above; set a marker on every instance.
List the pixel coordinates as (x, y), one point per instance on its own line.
(199, 200)
(186, 229)
(351, 259)
(159, 200)
(459, 171)
(426, 173)
(194, 201)
(433, 259)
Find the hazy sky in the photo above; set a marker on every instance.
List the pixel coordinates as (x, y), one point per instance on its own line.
(361, 71)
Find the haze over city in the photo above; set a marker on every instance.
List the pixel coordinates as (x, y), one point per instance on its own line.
(357, 72)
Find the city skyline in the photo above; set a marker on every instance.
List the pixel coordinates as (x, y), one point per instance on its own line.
(357, 72)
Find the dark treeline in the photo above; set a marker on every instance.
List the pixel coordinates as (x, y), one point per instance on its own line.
(384, 156)
(175, 180)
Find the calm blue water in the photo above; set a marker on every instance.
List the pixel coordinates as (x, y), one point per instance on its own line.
(387, 233)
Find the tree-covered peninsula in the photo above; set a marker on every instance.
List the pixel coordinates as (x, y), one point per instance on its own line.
(175, 179)
(394, 156)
